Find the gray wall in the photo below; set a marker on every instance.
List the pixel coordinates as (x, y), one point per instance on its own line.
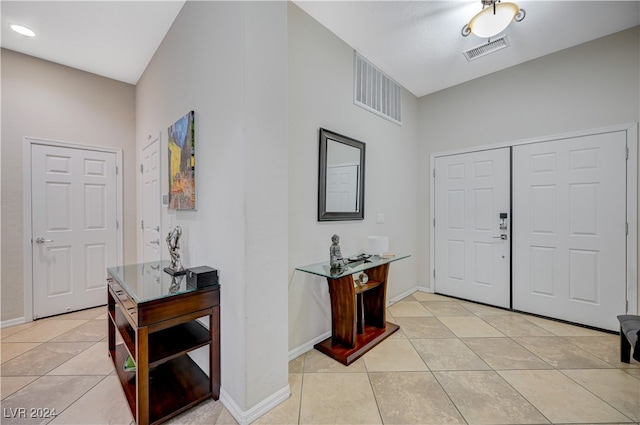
(227, 62)
(592, 85)
(320, 90)
(44, 100)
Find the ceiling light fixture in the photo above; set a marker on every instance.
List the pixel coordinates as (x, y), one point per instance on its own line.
(23, 30)
(494, 17)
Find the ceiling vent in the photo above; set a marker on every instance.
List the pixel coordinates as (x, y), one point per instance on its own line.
(499, 43)
(375, 91)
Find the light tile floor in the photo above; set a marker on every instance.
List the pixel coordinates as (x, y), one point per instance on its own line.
(451, 362)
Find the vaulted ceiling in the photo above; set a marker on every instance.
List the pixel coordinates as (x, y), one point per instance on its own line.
(417, 43)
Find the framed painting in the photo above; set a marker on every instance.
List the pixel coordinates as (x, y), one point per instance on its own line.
(182, 178)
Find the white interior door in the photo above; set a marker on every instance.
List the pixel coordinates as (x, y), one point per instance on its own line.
(74, 218)
(342, 188)
(472, 261)
(151, 204)
(569, 207)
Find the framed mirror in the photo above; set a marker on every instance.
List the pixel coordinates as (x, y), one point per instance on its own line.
(340, 177)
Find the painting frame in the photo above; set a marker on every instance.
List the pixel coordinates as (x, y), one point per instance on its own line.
(181, 158)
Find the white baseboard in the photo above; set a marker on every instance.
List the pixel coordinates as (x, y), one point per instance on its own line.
(300, 350)
(12, 322)
(246, 417)
(425, 289)
(401, 296)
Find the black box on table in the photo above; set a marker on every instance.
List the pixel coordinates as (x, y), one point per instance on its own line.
(200, 277)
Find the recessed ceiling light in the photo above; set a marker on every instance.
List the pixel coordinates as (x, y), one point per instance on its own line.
(23, 30)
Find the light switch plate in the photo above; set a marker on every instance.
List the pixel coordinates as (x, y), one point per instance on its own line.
(380, 218)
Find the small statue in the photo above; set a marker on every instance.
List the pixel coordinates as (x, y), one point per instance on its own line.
(173, 242)
(335, 256)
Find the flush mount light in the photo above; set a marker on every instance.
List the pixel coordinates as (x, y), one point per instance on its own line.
(23, 30)
(494, 17)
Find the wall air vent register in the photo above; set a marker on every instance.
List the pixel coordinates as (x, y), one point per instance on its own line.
(375, 91)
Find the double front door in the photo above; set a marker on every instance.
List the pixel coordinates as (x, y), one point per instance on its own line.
(538, 227)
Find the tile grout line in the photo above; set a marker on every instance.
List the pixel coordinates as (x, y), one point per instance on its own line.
(498, 374)
(304, 360)
(594, 394)
(79, 397)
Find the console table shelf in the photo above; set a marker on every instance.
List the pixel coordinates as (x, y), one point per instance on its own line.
(156, 315)
(180, 375)
(176, 341)
(369, 285)
(358, 311)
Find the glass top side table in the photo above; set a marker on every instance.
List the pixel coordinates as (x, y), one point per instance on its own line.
(358, 293)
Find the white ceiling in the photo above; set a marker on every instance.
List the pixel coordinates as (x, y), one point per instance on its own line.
(115, 39)
(417, 43)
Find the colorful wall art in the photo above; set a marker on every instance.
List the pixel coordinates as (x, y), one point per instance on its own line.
(182, 182)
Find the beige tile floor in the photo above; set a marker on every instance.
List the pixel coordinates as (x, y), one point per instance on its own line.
(452, 362)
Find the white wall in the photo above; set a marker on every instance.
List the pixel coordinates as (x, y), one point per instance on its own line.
(593, 85)
(320, 90)
(45, 100)
(227, 62)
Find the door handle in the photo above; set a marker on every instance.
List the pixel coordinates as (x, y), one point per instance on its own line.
(502, 236)
(155, 242)
(43, 240)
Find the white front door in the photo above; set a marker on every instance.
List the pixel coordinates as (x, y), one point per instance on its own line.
(569, 206)
(472, 261)
(74, 217)
(151, 204)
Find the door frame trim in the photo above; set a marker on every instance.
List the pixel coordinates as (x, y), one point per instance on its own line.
(140, 198)
(27, 235)
(631, 129)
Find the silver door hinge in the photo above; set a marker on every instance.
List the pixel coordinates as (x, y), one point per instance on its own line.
(434, 273)
(117, 224)
(141, 168)
(626, 309)
(434, 173)
(117, 171)
(434, 222)
(627, 152)
(142, 224)
(626, 228)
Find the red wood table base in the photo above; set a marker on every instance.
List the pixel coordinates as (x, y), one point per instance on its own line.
(371, 337)
(358, 311)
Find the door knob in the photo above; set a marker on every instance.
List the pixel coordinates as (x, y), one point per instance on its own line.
(43, 240)
(502, 236)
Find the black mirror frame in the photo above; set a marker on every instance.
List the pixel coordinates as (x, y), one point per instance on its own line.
(323, 214)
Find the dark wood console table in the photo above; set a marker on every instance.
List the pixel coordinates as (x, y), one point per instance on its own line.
(155, 316)
(358, 312)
